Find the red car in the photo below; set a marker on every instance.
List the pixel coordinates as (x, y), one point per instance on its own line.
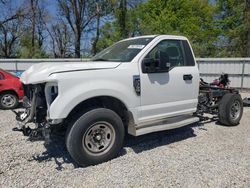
(11, 90)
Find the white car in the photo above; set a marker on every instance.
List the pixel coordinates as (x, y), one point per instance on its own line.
(137, 86)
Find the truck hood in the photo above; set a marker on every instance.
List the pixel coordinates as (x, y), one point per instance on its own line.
(40, 72)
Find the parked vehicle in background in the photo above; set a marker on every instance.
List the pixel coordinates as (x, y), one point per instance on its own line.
(11, 90)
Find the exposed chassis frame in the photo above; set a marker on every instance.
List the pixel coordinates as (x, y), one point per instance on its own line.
(210, 97)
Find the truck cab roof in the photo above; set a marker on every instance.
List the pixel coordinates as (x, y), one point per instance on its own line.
(176, 37)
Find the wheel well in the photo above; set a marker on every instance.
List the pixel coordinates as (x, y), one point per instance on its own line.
(108, 102)
(9, 91)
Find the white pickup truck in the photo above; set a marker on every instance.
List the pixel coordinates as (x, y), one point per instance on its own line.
(137, 86)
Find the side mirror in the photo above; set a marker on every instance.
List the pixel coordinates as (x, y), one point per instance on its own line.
(161, 64)
(148, 65)
(164, 63)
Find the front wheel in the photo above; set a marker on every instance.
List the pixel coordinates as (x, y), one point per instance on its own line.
(95, 137)
(230, 109)
(8, 100)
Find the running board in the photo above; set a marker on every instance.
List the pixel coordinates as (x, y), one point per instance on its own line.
(166, 124)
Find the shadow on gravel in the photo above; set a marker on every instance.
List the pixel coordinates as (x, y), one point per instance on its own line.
(208, 120)
(56, 150)
(216, 122)
(154, 140)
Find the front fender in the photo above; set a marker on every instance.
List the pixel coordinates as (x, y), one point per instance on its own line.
(69, 97)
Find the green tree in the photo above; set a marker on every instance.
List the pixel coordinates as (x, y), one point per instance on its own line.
(32, 42)
(194, 19)
(123, 24)
(27, 47)
(234, 21)
(104, 8)
(108, 35)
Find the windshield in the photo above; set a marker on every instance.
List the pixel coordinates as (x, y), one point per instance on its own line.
(123, 51)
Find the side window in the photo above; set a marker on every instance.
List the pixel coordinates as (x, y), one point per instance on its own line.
(188, 53)
(172, 49)
(1, 76)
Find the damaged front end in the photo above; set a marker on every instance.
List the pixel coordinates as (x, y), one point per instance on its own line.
(33, 119)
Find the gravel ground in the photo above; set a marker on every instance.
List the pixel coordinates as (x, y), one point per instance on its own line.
(200, 155)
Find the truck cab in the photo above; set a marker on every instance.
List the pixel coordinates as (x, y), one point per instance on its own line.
(169, 82)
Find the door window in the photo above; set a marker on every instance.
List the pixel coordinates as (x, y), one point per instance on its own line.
(172, 49)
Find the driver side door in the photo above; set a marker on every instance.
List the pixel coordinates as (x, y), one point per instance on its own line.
(173, 91)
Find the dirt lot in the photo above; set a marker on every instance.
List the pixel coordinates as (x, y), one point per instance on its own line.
(199, 155)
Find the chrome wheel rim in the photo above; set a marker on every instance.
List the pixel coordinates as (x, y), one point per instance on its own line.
(235, 110)
(8, 100)
(99, 138)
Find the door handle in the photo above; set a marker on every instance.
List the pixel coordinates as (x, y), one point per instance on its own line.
(187, 77)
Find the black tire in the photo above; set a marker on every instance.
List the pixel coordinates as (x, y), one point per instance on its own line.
(86, 131)
(8, 100)
(230, 109)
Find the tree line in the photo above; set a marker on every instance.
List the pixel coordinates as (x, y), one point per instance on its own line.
(81, 28)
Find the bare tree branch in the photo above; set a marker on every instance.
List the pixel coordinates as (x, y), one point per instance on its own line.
(79, 14)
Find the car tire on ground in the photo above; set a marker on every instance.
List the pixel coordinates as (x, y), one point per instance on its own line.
(8, 100)
(95, 137)
(230, 109)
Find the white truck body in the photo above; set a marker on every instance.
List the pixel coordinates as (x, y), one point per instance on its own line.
(139, 85)
(163, 95)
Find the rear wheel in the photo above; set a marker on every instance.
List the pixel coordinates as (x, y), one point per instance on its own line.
(230, 109)
(8, 100)
(95, 137)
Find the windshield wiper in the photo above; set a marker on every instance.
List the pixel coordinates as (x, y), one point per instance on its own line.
(100, 59)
